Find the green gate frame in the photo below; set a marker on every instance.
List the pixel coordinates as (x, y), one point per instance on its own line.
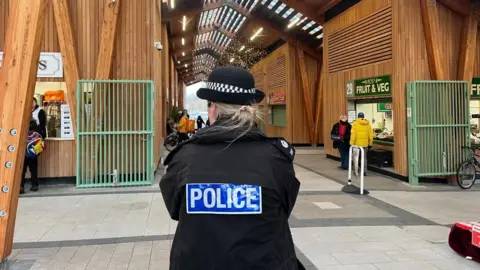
(115, 130)
(438, 126)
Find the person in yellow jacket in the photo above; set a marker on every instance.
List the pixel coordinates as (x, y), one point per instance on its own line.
(182, 127)
(362, 135)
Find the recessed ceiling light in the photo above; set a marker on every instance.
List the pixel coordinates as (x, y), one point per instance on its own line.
(183, 53)
(183, 41)
(179, 62)
(231, 60)
(184, 22)
(186, 65)
(172, 4)
(242, 48)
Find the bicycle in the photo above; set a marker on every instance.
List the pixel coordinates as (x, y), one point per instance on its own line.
(171, 141)
(467, 171)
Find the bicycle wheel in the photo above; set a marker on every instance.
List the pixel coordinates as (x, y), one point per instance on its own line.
(466, 174)
(170, 143)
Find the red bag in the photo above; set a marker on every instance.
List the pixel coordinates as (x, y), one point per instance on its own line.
(464, 239)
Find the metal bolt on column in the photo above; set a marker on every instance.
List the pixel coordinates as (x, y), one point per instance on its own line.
(5, 189)
(2, 213)
(9, 164)
(11, 148)
(13, 132)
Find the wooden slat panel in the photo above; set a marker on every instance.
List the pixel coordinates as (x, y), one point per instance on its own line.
(364, 42)
(468, 48)
(277, 73)
(307, 93)
(431, 27)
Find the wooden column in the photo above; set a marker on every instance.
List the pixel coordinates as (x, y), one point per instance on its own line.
(307, 96)
(69, 54)
(318, 111)
(431, 27)
(468, 48)
(107, 41)
(17, 84)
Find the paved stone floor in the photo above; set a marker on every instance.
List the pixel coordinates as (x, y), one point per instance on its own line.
(395, 227)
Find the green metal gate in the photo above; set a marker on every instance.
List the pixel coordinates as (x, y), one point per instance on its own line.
(114, 133)
(438, 127)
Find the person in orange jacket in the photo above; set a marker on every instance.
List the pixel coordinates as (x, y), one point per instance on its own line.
(183, 127)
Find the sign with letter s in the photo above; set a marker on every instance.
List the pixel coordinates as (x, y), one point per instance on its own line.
(224, 199)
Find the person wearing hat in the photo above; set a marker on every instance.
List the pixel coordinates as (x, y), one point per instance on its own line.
(361, 135)
(233, 204)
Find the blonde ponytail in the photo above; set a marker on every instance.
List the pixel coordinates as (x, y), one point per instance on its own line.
(236, 117)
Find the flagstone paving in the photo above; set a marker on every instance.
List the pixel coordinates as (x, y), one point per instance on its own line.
(392, 228)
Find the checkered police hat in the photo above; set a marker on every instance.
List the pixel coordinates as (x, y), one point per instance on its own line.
(231, 85)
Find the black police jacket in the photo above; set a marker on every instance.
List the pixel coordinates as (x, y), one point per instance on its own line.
(233, 242)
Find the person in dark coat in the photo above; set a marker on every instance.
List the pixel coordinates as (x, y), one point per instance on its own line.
(200, 122)
(232, 205)
(340, 135)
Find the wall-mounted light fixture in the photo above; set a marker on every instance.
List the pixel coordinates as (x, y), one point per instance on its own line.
(257, 33)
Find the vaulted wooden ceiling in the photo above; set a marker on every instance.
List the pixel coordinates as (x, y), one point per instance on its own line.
(201, 30)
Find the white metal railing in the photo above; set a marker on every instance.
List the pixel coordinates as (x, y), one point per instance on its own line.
(362, 162)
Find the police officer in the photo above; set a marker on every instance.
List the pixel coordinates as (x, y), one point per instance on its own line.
(231, 188)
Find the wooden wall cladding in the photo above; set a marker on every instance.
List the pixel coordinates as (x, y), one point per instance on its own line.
(367, 41)
(476, 68)
(298, 118)
(450, 39)
(58, 159)
(277, 73)
(259, 78)
(133, 58)
(408, 62)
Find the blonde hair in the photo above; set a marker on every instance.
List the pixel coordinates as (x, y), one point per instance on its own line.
(236, 117)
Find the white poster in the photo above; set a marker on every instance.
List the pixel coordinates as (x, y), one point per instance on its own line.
(50, 65)
(351, 116)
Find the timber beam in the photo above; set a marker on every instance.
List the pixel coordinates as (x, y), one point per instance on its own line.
(307, 94)
(328, 5)
(305, 9)
(69, 54)
(319, 104)
(288, 37)
(468, 48)
(431, 25)
(18, 75)
(107, 41)
(460, 6)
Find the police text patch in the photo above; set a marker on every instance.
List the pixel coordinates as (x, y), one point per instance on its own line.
(224, 199)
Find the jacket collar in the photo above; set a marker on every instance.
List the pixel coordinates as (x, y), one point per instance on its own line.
(213, 135)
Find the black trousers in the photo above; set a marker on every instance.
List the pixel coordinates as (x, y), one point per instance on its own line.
(32, 164)
(182, 137)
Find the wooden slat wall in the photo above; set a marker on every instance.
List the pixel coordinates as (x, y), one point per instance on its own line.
(278, 71)
(334, 101)
(300, 132)
(367, 41)
(450, 35)
(157, 78)
(58, 160)
(132, 60)
(476, 69)
(409, 62)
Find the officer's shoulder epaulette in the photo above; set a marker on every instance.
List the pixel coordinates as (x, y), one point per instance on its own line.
(284, 146)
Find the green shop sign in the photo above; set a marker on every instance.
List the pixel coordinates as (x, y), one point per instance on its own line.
(384, 107)
(475, 90)
(369, 87)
